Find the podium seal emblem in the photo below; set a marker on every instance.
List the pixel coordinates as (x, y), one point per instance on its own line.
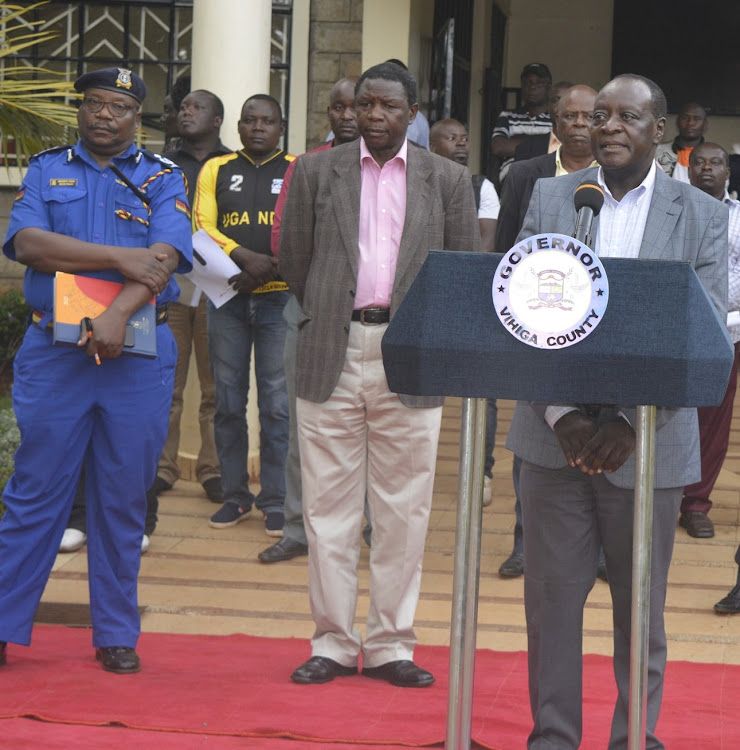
(550, 291)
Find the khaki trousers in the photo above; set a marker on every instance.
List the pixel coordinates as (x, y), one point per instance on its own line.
(188, 326)
(363, 439)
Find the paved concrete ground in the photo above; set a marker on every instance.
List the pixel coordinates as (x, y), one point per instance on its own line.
(200, 580)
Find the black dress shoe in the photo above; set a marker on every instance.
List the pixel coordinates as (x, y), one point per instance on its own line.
(697, 524)
(730, 605)
(3, 653)
(213, 490)
(285, 549)
(513, 566)
(320, 669)
(601, 571)
(160, 485)
(118, 659)
(400, 673)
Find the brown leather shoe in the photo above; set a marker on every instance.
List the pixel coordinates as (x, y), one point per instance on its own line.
(697, 524)
(320, 669)
(118, 659)
(402, 673)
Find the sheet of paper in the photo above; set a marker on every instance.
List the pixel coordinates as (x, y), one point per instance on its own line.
(212, 269)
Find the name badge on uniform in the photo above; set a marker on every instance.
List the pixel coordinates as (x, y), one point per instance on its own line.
(62, 182)
(277, 185)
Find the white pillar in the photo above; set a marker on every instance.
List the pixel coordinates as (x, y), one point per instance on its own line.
(231, 54)
(231, 58)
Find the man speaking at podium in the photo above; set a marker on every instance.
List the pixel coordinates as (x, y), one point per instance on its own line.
(578, 473)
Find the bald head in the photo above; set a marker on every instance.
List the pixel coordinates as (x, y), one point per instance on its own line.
(556, 92)
(341, 110)
(573, 121)
(449, 138)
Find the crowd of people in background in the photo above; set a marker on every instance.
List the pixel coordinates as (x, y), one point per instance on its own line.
(325, 247)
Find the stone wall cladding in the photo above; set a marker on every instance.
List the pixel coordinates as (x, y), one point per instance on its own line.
(335, 51)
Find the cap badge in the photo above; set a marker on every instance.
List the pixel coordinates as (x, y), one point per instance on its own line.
(124, 78)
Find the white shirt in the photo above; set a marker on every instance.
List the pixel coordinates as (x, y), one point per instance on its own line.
(681, 173)
(489, 202)
(622, 223)
(733, 262)
(621, 227)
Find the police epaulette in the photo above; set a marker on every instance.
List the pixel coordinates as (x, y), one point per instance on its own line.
(156, 157)
(52, 150)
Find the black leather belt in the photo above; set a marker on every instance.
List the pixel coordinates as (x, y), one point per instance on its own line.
(372, 316)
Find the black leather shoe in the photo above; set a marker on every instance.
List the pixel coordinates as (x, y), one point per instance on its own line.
(400, 673)
(285, 549)
(320, 669)
(513, 566)
(3, 653)
(118, 659)
(730, 605)
(697, 524)
(213, 490)
(160, 485)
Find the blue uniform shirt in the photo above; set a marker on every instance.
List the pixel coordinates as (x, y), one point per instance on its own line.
(66, 191)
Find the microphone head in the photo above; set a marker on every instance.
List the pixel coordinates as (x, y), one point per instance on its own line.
(590, 195)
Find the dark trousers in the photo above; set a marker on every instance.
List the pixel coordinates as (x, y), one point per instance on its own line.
(568, 516)
(714, 437)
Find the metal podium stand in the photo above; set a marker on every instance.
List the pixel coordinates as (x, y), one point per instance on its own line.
(683, 361)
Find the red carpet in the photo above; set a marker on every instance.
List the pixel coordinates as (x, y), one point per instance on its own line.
(217, 689)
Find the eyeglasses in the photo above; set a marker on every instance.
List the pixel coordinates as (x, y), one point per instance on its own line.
(117, 109)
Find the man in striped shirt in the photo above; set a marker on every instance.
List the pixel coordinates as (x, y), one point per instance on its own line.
(513, 127)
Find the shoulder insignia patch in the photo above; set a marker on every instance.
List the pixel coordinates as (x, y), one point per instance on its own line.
(158, 158)
(183, 207)
(53, 150)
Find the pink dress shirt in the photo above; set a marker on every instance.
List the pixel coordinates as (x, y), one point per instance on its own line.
(382, 215)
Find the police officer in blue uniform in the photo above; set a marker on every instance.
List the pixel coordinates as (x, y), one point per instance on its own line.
(106, 209)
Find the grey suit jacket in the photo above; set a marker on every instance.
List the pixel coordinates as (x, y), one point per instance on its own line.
(515, 196)
(683, 224)
(319, 249)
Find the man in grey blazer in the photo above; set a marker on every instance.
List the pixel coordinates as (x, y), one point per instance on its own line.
(578, 471)
(359, 221)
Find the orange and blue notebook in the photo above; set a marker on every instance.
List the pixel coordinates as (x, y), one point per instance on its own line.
(77, 297)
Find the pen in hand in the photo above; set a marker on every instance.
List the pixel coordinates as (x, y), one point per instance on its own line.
(89, 328)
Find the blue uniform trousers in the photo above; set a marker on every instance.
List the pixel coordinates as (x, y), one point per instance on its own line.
(112, 417)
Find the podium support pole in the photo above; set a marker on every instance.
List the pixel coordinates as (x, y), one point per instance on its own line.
(466, 574)
(641, 554)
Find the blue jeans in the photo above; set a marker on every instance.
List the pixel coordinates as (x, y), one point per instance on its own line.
(246, 321)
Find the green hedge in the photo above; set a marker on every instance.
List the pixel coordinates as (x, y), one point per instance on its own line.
(13, 321)
(10, 437)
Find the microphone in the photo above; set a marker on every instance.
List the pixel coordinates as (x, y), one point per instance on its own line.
(588, 200)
